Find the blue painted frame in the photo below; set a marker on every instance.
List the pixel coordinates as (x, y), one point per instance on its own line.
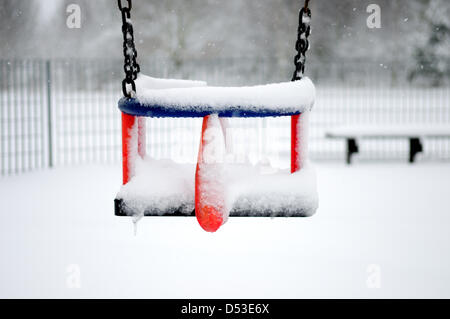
(132, 106)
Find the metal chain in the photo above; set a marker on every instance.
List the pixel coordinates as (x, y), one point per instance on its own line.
(302, 44)
(131, 67)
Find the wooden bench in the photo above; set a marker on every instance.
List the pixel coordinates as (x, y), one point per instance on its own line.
(413, 133)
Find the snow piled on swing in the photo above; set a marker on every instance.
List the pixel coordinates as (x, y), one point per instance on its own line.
(161, 187)
(297, 96)
(164, 187)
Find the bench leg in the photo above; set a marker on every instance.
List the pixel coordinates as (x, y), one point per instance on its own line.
(415, 147)
(352, 148)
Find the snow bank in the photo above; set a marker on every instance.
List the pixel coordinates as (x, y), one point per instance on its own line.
(295, 96)
(55, 217)
(164, 187)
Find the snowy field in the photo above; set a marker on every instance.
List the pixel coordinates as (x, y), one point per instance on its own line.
(382, 230)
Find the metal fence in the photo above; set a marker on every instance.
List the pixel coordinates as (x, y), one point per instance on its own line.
(64, 112)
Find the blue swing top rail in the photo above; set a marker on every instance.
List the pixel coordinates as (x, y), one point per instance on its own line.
(181, 98)
(133, 106)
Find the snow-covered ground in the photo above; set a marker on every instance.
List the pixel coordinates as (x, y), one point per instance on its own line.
(378, 225)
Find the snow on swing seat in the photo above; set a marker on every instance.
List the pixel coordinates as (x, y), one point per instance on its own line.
(166, 188)
(180, 98)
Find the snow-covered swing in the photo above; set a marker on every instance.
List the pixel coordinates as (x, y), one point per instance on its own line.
(219, 189)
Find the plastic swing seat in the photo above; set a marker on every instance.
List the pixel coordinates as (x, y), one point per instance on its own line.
(282, 194)
(215, 188)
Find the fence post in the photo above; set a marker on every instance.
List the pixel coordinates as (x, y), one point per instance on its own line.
(49, 113)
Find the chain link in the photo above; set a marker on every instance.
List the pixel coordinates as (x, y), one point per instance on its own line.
(130, 67)
(302, 44)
